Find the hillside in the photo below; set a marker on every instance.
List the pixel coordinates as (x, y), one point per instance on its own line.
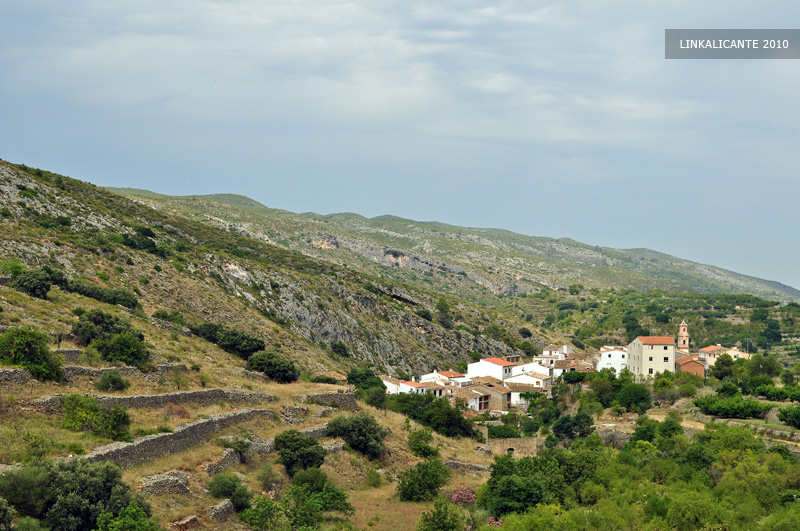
(492, 262)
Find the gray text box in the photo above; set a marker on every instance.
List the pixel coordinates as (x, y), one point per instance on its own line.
(732, 44)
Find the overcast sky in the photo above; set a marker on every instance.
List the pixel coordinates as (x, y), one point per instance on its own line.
(557, 119)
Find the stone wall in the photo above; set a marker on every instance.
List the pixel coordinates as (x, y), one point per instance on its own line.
(469, 468)
(70, 355)
(343, 400)
(71, 371)
(184, 437)
(200, 397)
(521, 446)
(15, 376)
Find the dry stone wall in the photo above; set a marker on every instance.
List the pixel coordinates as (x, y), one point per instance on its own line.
(184, 437)
(343, 400)
(15, 376)
(71, 371)
(200, 397)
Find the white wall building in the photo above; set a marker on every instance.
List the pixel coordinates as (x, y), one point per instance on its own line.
(494, 367)
(611, 357)
(651, 355)
(533, 366)
(531, 378)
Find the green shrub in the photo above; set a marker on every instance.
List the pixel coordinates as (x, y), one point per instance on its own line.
(69, 495)
(131, 518)
(97, 324)
(443, 516)
(83, 413)
(325, 379)
(298, 451)
(268, 477)
(231, 487)
(735, 407)
(112, 381)
(361, 432)
(273, 366)
(232, 341)
(364, 379)
(264, 515)
(6, 515)
(127, 347)
(28, 348)
(34, 282)
(419, 442)
(26, 523)
(423, 481)
(373, 479)
(503, 432)
(340, 348)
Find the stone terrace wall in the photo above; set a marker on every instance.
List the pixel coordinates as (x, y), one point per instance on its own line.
(343, 400)
(70, 355)
(71, 371)
(200, 396)
(184, 437)
(522, 446)
(16, 376)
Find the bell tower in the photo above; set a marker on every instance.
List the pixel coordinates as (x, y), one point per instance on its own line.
(683, 336)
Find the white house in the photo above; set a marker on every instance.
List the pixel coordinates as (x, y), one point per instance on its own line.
(392, 384)
(408, 386)
(494, 367)
(530, 378)
(611, 357)
(533, 366)
(435, 388)
(517, 390)
(442, 377)
(560, 351)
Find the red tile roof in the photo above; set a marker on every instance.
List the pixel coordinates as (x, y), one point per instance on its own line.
(498, 361)
(684, 361)
(451, 374)
(412, 384)
(657, 340)
(712, 348)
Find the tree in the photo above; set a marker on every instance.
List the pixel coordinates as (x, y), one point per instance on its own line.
(420, 443)
(131, 518)
(423, 481)
(34, 282)
(112, 381)
(443, 516)
(298, 451)
(361, 432)
(263, 515)
(28, 348)
(443, 313)
(364, 379)
(127, 347)
(231, 487)
(515, 494)
(723, 367)
(273, 366)
(634, 397)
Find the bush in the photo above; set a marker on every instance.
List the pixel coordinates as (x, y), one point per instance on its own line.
(424, 313)
(268, 478)
(338, 347)
(736, 407)
(112, 381)
(361, 432)
(231, 487)
(263, 515)
(503, 432)
(423, 481)
(127, 347)
(273, 366)
(298, 451)
(69, 495)
(443, 516)
(83, 413)
(28, 348)
(315, 483)
(131, 518)
(635, 398)
(373, 478)
(33, 282)
(6, 515)
(419, 442)
(232, 341)
(325, 379)
(364, 379)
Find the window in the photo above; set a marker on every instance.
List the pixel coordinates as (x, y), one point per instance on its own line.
(650, 359)
(483, 403)
(666, 359)
(609, 355)
(666, 347)
(623, 356)
(650, 371)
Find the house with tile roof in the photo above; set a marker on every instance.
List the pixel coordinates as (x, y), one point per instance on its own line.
(392, 384)
(690, 364)
(709, 354)
(651, 355)
(410, 386)
(495, 367)
(484, 397)
(442, 377)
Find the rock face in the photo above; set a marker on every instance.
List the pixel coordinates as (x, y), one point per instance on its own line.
(220, 513)
(190, 522)
(172, 482)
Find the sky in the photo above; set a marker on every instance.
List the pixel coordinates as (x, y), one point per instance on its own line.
(558, 119)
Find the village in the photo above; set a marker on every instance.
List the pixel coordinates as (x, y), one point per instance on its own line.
(499, 385)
